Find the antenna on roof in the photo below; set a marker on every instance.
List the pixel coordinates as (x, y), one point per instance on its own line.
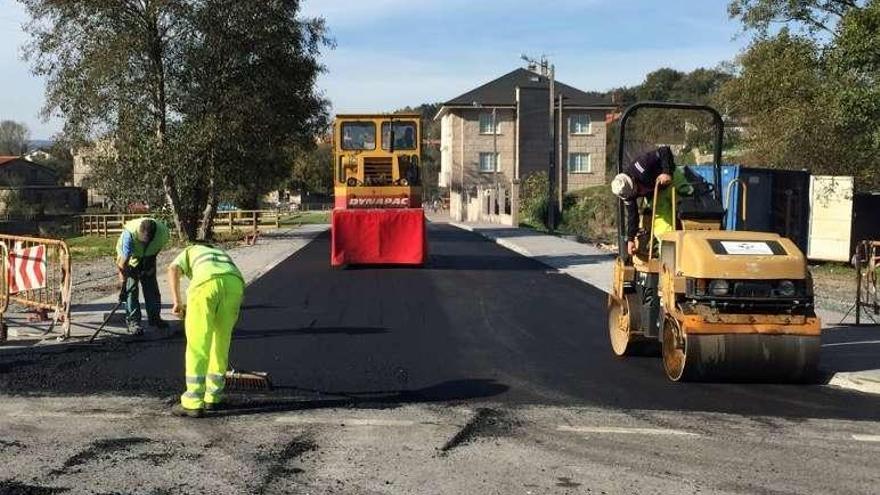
(539, 66)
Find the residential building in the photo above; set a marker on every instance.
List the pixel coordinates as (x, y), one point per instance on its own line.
(31, 190)
(83, 158)
(500, 132)
(15, 171)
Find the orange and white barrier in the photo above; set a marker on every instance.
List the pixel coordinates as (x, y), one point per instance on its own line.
(37, 278)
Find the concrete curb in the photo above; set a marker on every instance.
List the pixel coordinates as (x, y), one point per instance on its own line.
(498, 240)
(867, 382)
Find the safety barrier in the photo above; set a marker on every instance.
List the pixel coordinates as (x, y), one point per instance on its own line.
(253, 220)
(867, 263)
(36, 276)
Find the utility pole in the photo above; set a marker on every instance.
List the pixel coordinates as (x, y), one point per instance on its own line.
(563, 163)
(551, 206)
(495, 158)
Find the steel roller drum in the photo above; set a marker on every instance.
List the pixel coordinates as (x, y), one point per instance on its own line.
(749, 357)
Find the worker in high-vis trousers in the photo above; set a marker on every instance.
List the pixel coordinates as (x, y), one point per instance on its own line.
(213, 300)
(136, 251)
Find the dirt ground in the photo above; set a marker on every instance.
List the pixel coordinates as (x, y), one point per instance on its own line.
(96, 278)
(834, 285)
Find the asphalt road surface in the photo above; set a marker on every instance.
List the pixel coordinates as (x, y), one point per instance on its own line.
(483, 372)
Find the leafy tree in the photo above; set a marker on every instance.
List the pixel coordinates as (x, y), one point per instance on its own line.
(201, 99)
(430, 152)
(13, 138)
(652, 127)
(312, 170)
(814, 17)
(807, 93)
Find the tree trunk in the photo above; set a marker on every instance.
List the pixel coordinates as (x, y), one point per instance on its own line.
(207, 226)
(185, 229)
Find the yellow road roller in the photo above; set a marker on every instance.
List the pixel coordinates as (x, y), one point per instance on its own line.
(720, 305)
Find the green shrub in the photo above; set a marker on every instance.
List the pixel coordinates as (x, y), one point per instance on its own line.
(533, 199)
(591, 214)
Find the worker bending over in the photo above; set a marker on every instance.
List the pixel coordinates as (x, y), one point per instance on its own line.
(136, 250)
(212, 305)
(656, 167)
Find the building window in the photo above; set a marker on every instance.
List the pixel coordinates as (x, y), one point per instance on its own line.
(489, 162)
(580, 124)
(488, 125)
(579, 163)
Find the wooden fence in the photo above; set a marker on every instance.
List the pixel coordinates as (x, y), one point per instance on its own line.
(225, 221)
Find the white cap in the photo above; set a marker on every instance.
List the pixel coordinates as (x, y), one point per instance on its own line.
(622, 186)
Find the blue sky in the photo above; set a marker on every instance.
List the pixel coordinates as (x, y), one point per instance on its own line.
(393, 53)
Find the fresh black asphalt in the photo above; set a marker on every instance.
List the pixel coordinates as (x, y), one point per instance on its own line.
(478, 324)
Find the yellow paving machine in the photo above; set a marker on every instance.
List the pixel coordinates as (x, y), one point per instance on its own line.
(719, 304)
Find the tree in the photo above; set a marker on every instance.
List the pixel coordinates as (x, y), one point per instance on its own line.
(14, 138)
(652, 127)
(312, 171)
(808, 92)
(816, 18)
(783, 95)
(200, 98)
(430, 168)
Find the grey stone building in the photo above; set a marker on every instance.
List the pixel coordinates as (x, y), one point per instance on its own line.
(500, 132)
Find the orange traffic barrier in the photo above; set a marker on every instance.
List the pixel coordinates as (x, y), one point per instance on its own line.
(37, 278)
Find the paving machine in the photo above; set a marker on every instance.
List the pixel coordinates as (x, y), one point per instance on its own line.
(720, 305)
(378, 216)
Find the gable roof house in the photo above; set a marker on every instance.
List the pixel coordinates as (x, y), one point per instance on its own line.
(16, 171)
(500, 131)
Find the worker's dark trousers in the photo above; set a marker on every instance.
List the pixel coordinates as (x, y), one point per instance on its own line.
(152, 297)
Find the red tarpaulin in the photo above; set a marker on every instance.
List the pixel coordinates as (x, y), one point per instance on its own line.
(392, 236)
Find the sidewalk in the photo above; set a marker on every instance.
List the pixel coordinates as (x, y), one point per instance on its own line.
(850, 355)
(271, 249)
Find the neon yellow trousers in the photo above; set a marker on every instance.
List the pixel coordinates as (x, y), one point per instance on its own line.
(211, 312)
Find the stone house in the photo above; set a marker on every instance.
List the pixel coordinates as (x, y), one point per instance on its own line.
(500, 132)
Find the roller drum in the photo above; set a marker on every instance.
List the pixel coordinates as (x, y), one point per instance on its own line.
(751, 357)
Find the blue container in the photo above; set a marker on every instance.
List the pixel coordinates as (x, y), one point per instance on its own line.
(778, 200)
(728, 173)
(760, 196)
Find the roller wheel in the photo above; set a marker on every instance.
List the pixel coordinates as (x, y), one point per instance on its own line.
(623, 342)
(674, 350)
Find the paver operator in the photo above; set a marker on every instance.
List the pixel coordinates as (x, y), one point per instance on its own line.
(210, 313)
(638, 180)
(137, 248)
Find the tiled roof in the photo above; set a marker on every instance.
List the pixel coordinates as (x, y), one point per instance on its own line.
(502, 91)
(6, 159)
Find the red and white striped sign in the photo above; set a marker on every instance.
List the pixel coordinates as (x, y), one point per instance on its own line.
(27, 269)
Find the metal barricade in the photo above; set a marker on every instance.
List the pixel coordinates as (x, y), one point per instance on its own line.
(36, 277)
(867, 264)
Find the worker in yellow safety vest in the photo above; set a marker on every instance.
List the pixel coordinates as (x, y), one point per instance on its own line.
(656, 168)
(210, 313)
(136, 251)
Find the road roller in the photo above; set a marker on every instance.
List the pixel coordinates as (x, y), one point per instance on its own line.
(717, 305)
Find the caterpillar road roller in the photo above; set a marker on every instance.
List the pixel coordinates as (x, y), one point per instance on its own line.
(719, 305)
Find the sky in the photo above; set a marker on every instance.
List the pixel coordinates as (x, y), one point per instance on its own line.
(394, 53)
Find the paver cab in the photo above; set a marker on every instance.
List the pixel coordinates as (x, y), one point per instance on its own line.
(720, 304)
(378, 216)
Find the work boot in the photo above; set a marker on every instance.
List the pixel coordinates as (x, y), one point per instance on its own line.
(213, 406)
(135, 328)
(160, 324)
(183, 412)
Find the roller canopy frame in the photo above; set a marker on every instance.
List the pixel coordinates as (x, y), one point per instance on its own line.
(621, 142)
